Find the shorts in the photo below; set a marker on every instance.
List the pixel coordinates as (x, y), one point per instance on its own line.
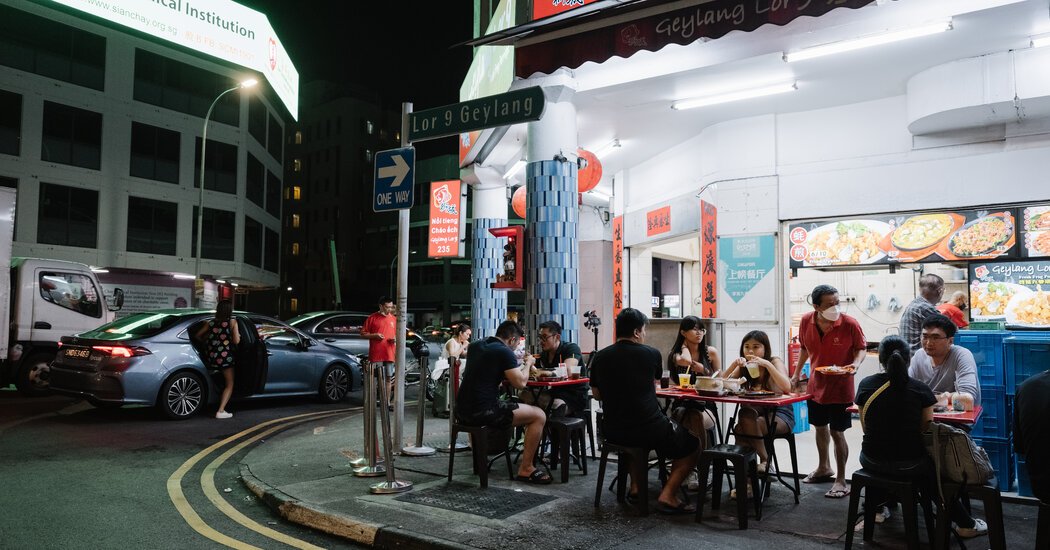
(677, 443)
(501, 417)
(388, 367)
(834, 414)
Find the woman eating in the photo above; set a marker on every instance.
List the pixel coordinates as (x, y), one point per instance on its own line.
(690, 354)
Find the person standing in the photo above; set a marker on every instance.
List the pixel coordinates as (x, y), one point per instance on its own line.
(931, 289)
(829, 338)
(222, 337)
(953, 309)
(380, 330)
(553, 352)
(1032, 433)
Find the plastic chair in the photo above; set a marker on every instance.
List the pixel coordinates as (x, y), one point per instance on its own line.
(745, 468)
(564, 431)
(638, 461)
(993, 510)
(771, 449)
(479, 449)
(904, 488)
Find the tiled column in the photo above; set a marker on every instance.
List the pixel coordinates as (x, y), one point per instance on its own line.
(488, 307)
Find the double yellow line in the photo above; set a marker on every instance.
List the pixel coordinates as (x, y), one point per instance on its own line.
(178, 498)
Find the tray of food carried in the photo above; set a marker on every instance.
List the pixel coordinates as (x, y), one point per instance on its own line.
(835, 370)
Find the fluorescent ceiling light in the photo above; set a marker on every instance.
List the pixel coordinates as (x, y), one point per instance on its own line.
(183, 276)
(872, 40)
(514, 169)
(610, 147)
(220, 281)
(1040, 41)
(735, 95)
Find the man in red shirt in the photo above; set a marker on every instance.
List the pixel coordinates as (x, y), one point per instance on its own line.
(829, 338)
(953, 309)
(380, 330)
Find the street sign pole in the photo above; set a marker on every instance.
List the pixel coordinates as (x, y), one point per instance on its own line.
(402, 298)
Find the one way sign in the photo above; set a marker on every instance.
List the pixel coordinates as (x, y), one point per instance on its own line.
(394, 179)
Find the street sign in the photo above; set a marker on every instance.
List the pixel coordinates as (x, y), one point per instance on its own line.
(477, 114)
(394, 179)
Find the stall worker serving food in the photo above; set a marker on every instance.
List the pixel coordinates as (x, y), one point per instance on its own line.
(830, 341)
(949, 370)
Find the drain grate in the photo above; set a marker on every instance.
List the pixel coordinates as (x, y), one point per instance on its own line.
(492, 503)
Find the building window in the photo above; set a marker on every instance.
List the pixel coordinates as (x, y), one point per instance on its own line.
(295, 305)
(272, 259)
(257, 119)
(154, 153)
(252, 242)
(221, 171)
(67, 216)
(275, 144)
(295, 220)
(47, 48)
(298, 138)
(184, 88)
(368, 155)
(10, 123)
(255, 181)
(370, 128)
(152, 226)
(71, 136)
(273, 194)
(295, 249)
(217, 240)
(297, 165)
(296, 193)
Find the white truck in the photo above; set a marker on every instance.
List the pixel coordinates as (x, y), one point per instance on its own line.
(43, 300)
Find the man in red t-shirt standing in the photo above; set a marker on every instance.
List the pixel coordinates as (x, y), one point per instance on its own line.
(829, 338)
(380, 330)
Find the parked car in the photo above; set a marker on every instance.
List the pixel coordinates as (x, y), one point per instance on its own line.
(152, 359)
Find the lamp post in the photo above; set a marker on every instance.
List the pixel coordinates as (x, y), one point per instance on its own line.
(204, 145)
(392, 262)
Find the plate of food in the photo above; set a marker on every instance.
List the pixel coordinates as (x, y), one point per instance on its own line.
(982, 236)
(711, 393)
(846, 242)
(758, 394)
(1029, 310)
(836, 370)
(922, 231)
(1039, 242)
(989, 300)
(1038, 218)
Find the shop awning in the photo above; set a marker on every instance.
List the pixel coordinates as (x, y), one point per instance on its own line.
(623, 36)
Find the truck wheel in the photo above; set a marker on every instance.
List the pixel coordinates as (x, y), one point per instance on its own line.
(335, 384)
(32, 375)
(181, 396)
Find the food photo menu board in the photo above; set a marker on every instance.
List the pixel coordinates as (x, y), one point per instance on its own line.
(890, 239)
(1035, 225)
(1015, 292)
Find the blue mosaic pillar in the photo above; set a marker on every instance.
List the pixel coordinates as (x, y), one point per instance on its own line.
(552, 277)
(488, 307)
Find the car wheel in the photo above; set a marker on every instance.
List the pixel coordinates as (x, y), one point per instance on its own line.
(33, 374)
(335, 384)
(181, 396)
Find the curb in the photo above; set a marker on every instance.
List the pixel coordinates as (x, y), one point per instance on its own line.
(382, 537)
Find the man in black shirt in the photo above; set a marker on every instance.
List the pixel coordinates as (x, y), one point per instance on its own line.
(568, 399)
(489, 363)
(623, 378)
(1032, 433)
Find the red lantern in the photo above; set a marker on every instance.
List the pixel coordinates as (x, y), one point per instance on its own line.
(517, 201)
(589, 177)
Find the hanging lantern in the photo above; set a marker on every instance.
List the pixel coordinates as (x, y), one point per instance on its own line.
(517, 201)
(589, 176)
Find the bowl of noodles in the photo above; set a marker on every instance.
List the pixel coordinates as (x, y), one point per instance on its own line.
(922, 231)
(981, 237)
(1029, 310)
(989, 300)
(846, 243)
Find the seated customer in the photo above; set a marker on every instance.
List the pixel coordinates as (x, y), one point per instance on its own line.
(772, 376)
(570, 400)
(489, 363)
(895, 411)
(949, 370)
(623, 378)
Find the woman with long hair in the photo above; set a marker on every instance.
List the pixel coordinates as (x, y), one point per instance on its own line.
(772, 375)
(456, 346)
(222, 338)
(690, 354)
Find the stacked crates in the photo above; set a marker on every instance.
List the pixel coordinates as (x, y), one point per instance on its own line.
(1026, 354)
(994, 430)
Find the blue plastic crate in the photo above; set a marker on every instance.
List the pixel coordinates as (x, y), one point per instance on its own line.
(1024, 487)
(987, 349)
(801, 417)
(997, 417)
(1001, 454)
(1026, 354)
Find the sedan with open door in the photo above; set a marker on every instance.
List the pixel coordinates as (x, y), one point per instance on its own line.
(152, 359)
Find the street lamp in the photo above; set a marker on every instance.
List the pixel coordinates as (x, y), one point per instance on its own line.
(204, 145)
(391, 295)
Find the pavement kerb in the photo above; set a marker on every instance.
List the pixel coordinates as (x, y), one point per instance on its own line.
(377, 536)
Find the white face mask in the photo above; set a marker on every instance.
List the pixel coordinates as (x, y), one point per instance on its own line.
(831, 314)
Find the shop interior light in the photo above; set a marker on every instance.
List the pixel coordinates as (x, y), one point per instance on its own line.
(866, 41)
(610, 147)
(734, 95)
(183, 276)
(514, 169)
(1041, 40)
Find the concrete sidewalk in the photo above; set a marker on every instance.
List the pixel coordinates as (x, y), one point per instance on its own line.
(304, 474)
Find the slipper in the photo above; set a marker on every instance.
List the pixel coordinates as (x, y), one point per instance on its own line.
(537, 477)
(632, 498)
(817, 479)
(680, 510)
(837, 493)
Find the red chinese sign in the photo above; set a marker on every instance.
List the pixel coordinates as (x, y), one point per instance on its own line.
(546, 8)
(445, 207)
(708, 260)
(617, 265)
(658, 221)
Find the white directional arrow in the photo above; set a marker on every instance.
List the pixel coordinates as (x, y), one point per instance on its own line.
(398, 171)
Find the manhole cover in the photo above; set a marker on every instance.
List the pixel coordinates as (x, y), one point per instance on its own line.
(492, 503)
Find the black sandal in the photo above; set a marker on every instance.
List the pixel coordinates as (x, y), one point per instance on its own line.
(537, 477)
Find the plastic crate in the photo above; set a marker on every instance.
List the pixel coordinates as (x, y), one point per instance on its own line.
(801, 417)
(987, 325)
(1026, 355)
(987, 349)
(1024, 487)
(1001, 454)
(997, 417)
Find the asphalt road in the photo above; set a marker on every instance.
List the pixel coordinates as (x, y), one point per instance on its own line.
(73, 476)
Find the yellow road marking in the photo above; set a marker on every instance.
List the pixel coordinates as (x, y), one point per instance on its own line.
(178, 498)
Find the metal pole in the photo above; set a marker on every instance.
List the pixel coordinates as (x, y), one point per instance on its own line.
(453, 389)
(391, 485)
(200, 200)
(424, 374)
(402, 296)
(371, 468)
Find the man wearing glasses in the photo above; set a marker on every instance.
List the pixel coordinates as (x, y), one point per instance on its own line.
(570, 399)
(949, 370)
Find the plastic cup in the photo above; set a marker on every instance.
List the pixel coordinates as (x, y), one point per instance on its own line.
(574, 372)
(665, 379)
(753, 370)
(683, 380)
(560, 371)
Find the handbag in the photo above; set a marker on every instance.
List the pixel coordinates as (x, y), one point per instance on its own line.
(956, 457)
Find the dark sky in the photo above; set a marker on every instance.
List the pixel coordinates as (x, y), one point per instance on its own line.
(400, 49)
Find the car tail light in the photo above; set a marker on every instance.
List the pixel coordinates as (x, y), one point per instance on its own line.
(122, 351)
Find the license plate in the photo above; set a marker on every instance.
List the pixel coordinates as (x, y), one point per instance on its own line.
(78, 353)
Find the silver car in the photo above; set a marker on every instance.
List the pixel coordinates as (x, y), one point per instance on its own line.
(151, 359)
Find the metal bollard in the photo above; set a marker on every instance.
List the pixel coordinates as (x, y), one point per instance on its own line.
(424, 375)
(391, 485)
(453, 390)
(369, 466)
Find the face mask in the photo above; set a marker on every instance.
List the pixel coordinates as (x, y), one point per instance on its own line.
(831, 314)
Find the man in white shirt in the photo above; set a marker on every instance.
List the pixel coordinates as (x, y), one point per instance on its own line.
(945, 367)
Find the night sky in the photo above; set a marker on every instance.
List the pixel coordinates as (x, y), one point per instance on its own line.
(400, 49)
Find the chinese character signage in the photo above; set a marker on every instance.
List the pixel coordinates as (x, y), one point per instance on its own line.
(1015, 292)
(658, 221)
(745, 270)
(708, 261)
(617, 265)
(445, 212)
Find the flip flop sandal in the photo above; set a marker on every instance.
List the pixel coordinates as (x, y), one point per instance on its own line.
(837, 493)
(680, 510)
(817, 479)
(537, 477)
